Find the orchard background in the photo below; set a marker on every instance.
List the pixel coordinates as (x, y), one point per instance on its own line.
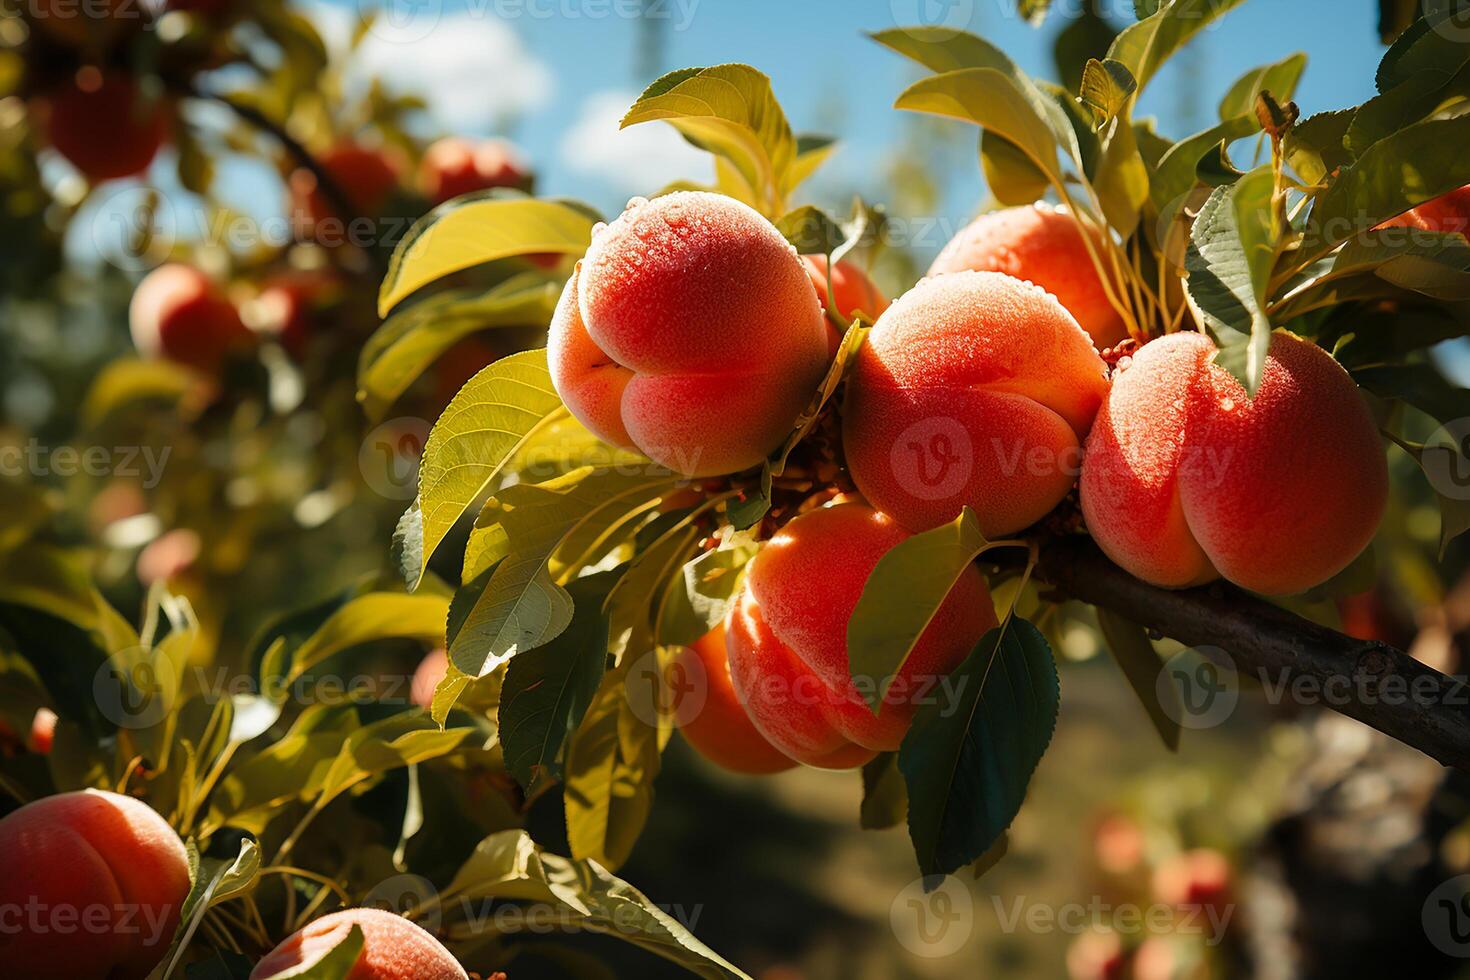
(307, 312)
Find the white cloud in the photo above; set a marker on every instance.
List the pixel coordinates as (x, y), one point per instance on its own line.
(471, 69)
(640, 159)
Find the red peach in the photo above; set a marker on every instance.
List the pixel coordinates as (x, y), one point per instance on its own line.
(393, 949)
(721, 731)
(454, 166)
(690, 332)
(976, 389)
(426, 677)
(1097, 956)
(1447, 213)
(787, 638)
(178, 313)
(1187, 480)
(101, 879)
(168, 556)
(43, 731)
(1200, 877)
(1043, 245)
(367, 176)
(852, 290)
(100, 123)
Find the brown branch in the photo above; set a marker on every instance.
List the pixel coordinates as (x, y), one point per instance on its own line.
(1371, 682)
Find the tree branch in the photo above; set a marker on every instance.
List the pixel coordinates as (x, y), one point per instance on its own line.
(1371, 682)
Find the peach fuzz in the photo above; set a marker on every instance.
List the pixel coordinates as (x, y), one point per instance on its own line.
(393, 948)
(720, 730)
(453, 166)
(90, 857)
(1043, 245)
(178, 313)
(1187, 480)
(787, 639)
(690, 332)
(104, 126)
(852, 290)
(975, 389)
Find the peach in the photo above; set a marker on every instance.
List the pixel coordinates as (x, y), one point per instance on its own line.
(393, 949)
(1447, 213)
(1043, 245)
(1187, 480)
(1200, 877)
(43, 731)
(426, 677)
(787, 639)
(1118, 844)
(453, 166)
(103, 126)
(721, 731)
(367, 177)
(288, 305)
(1097, 955)
(852, 290)
(976, 389)
(169, 555)
(690, 332)
(91, 886)
(178, 313)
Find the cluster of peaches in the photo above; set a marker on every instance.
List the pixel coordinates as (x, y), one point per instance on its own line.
(1003, 382)
(94, 883)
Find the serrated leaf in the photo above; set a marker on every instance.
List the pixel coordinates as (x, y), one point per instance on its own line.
(1106, 88)
(1431, 263)
(411, 339)
(1414, 100)
(484, 425)
(1136, 658)
(900, 598)
(547, 690)
(1433, 43)
(967, 764)
(1232, 251)
(730, 111)
(1144, 47)
(1315, 146)
(460, 236)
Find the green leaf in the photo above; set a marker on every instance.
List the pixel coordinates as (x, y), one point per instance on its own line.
(1280, 79)
(967, 764)
(811, 152)
(885, 799)
(1431, 263)
(1402, 171)
(1315, 146)
(522, 606)
(943, 50)
(1432, 44)
(377, 616)
(1145, 46)
(702, 595)
(751, 508)
(1420, 385)
(1140, 663)
(730, 111)
(900, 598)
(1231, 255)
(1443, 456)
(1033, 10)
(411, 339)
(1106, 88)
(810, 231)
(1177, 170)
(336, 964)
(494, 415)
(510, 866)
(456, 237)
(547, 690)
(214, 879)
(1411, 102)
(1122, 179)
(1010, 175)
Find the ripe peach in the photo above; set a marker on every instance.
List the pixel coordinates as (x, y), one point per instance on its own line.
(1157, 959)
(43, 731)
(721, 731)
(1118, 844)
(852, 290)
(787, 639)
(288, 304)
(178, 313)
(168, 556)
(92, 884)
(973, 388)
(690, 332)
(367, 176)
(1447, 213)
(1187, 480)
(1097, 956)
(393, 948)
(1198, 877)
(100, 123)
(1043, 245)
(426, 677)
(454, 166)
